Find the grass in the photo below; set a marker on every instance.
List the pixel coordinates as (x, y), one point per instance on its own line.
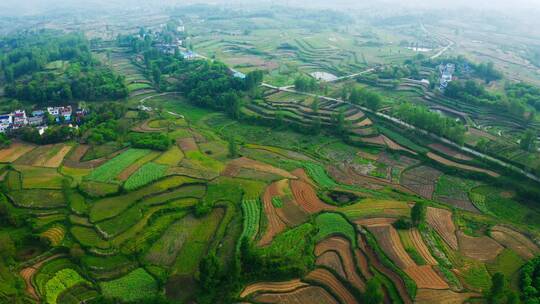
(112, 206)
(108, 171)
(508, 263)
(277, 202)
(251, 210)
(39, 198)
(187, 261)
(120, 223)
(334, 224)
(172, 157)
(145, 175)
(492, 201)
(97, 189)
(63, 280)
(88, 237)
(135, 286)
(76, 201)
(201, 160)
(375, 207)
(318, 174)
(295, 246)
(450, 185)
(40, 178)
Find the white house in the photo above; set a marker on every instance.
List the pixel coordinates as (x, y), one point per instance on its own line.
(5, 122)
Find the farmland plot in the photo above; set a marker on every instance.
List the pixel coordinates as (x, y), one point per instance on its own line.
(145, 175)
(252, 213)
(108, 171)
(277, 287)
(441, 221)
(311, 294)
(421, 180)
(480, 248)
(516, 241)
(15, 150)
(135, 286)
(164, 251)
(275, 224)
(326, 278)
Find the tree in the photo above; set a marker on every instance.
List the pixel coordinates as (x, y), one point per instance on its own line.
(233, 148)
(373, 293)
(418, 213)
(7, 247)
(528, 139)
(210, 273)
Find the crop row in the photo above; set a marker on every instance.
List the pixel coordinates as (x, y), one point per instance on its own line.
(252, 213)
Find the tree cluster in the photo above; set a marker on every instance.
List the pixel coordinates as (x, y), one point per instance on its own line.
(423, 118)
(365, 97)
(84, 77)
(530, 281)
(154, 141)
(306, 84)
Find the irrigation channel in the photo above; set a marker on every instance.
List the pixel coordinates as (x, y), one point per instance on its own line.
(411, 127)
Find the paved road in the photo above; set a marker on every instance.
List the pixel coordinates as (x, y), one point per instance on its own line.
(411, 127)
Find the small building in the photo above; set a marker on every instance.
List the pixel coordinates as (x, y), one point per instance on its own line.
(5, 122)
(188, 55)
(38, 113)
(238, 74)
(36, 120)
(19, 119)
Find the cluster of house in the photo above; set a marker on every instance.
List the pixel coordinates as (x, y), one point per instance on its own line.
(447, 74)
(18, 119)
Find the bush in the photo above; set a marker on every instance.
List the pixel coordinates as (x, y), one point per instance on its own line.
(154, 141)
(403, 224)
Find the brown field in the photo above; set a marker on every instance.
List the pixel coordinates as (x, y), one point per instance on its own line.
(421, 180)
(275, 224)
(291, 213)
(348, 176)
(450, 163)
(429, 296)
(55, 235)
(421, 247)
(449, 151)
(343, 248)
(441, 221)
(311, 294)
(515, 241)
(380, 221)
(425, 277)
(16, 150)
(326, 278)
(247, 163)
(302, 175)
(480, 248)
(331, 260)
(307, 198)
(278, 287)
(376, 263)
(364, 123)
(56, 160)
(390, 243)
(368, 155)
(394, 146)
(28, 275)
(187, 144)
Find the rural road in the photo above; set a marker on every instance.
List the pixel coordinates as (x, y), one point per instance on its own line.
(411, 127)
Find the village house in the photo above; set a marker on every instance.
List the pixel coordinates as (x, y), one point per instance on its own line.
(5, 122)
(19, 119)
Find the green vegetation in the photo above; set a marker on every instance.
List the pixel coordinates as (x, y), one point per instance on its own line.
(135, 286)
(108, 171)
(529, 277)
(318, 174)
(63, 280)
(334, 224)
(145, 175)
(251, 210)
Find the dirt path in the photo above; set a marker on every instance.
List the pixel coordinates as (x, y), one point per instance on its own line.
(28, 274)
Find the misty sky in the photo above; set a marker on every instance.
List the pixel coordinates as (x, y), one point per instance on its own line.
(36, 7)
